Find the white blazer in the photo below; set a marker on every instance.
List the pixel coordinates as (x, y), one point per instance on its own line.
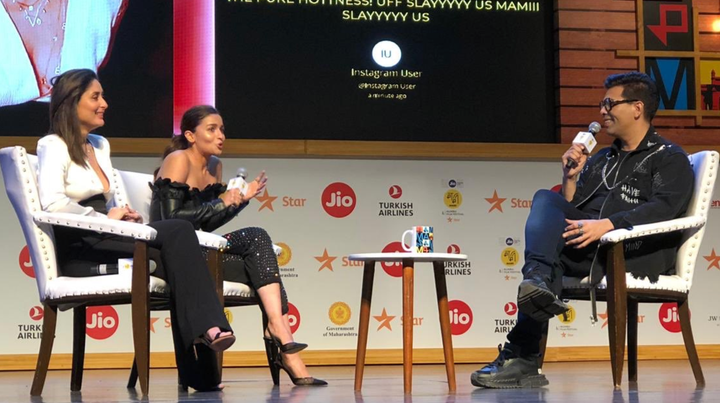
(63, 183)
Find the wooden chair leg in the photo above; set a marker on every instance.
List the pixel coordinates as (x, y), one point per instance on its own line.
(686, 326)
(132, 380)
(140, 300)
(617, 309)
(271, 351)
(365, 301)
(408, 286)
(632, 338)
(215, 267)
(444, 314)
(78, 357)
(543, 345)
(46, 345)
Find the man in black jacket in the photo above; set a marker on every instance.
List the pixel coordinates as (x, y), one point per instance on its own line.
(641, 178)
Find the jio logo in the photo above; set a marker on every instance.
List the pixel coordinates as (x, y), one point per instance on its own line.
(338, 199)
(511, 308)
(386, 53)
(395, 191)
(101, 322)
(669, 318)
(393, 269)
(461, 317)
(293, 317)
(25, 262)
(453, 248)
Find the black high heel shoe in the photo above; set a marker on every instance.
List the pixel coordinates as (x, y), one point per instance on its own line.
(287, 348)
(307, 381)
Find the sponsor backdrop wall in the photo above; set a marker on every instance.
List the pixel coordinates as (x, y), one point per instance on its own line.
(320, 211)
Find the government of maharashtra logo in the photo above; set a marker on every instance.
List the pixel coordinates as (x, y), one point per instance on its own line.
(285, 255)
(339, 313)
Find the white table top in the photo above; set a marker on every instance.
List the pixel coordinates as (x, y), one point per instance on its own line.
(400, 256)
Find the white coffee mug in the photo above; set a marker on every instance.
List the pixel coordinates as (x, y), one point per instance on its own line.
(421, 239)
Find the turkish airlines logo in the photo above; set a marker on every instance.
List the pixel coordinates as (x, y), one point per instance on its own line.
(453, 248)
(461, 317)
(393, 269)
(669, 318)
(395, 191)
(25, 263)
(293, 317)
(338, 199)
(101, 322)
(511, 308)
(37, 313)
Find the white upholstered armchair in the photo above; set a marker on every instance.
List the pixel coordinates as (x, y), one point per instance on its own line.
(623, 292)
(55, 291)
(230, 293)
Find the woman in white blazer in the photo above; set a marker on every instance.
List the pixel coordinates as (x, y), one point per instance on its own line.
(73, 177)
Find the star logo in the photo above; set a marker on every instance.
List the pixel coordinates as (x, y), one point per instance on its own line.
(507, 278)
(449, 219)
(266, 201)
(384, 320)
(604, 317)
(152, 324)
(326, 260)
(713, 259)
(496, 202)
(563, 334)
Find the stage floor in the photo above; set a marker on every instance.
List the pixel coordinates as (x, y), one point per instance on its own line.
(659, 381)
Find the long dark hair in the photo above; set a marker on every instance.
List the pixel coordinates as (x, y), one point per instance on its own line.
(66, 93)
(190, 121)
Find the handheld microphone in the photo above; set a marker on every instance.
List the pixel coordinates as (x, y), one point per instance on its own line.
(239, 181)
(587, 140)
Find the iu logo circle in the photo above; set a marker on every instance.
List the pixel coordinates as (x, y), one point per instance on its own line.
(338, 199)
(453, 248)
(25, 262)
(669, 318)
(395, 191)
(37, 313)
(102, 322)
(393, 269)
(511, 308)
(461, 317)
(386, 53)
(293, 317)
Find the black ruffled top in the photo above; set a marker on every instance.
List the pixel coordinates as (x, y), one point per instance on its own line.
(203, 208)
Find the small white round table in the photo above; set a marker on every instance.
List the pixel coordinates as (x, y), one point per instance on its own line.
(408, 262)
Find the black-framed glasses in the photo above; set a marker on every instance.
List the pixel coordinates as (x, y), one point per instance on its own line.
(608, 103)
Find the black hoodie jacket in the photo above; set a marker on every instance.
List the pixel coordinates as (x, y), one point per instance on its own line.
(650, 184)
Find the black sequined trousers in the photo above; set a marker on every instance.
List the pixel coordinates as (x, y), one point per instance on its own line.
(250, 259)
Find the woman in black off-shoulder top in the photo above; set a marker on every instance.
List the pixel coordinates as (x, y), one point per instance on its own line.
(188, 186)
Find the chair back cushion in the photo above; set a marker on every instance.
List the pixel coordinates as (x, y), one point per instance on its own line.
(19, 170)
(705, 166)
(132, 188)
